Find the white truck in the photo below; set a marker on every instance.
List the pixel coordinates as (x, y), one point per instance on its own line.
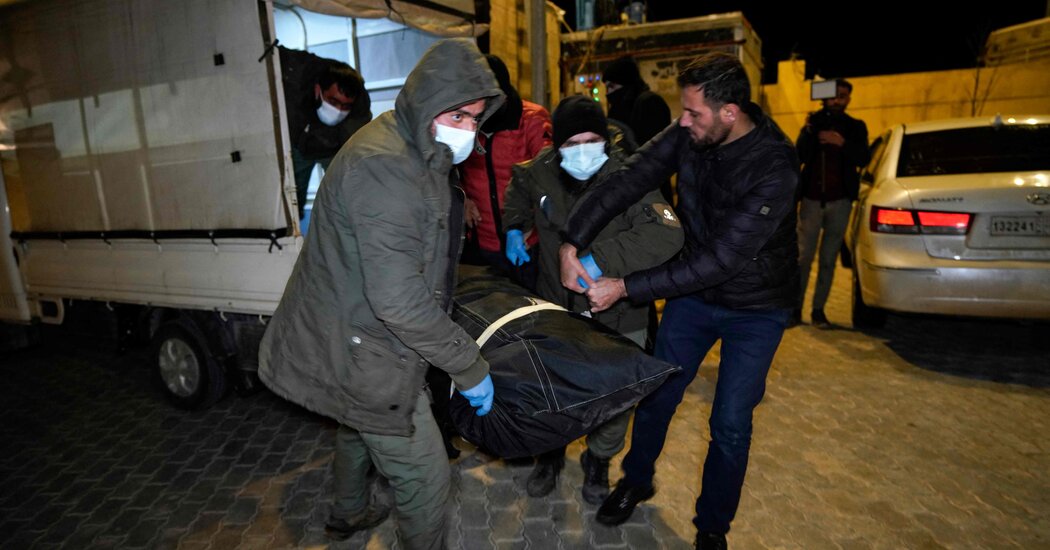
(146, 178)
(661, 49)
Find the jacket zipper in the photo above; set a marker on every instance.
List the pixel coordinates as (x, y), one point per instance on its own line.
(497, 216)
(455, 243)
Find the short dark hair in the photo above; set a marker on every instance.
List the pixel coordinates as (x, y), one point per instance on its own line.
(843, 83)
(345, 77)
(721, 77)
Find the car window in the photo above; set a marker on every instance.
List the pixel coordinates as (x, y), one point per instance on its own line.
(1009, 148)
(877, 148)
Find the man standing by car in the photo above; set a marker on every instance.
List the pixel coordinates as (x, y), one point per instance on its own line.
(366, 310)
(736, 279)
(832, 147)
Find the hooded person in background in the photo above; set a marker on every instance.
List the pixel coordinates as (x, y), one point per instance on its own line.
(633, 104)
(645, 114)
(326, 102)
(367, 308)
(515, 133)
(541, 194)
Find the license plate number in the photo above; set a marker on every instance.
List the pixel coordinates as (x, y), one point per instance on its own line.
(1021, 225)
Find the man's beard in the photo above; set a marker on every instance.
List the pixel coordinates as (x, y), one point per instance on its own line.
(713, 137)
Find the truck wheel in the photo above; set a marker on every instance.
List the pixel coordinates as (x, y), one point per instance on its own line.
(865, 316)
(190, 376)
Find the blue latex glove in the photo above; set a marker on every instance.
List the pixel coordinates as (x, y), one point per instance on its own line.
(592, 269)
(516, 247)
(480, 396)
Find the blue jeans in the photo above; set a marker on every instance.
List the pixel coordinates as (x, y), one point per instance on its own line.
(690, 327)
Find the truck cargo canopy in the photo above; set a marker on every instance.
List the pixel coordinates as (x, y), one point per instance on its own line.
(439, 17)
(141, 117)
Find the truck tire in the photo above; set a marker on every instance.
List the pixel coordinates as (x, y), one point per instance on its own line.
(189, 375)
(865, 316)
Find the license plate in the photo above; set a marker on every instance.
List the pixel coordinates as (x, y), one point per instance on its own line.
(1021, 225)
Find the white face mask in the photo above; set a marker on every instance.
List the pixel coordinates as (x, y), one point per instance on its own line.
(329, 114)
(460, 141)
(583, 161)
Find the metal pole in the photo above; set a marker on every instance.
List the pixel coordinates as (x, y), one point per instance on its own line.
(538, 51)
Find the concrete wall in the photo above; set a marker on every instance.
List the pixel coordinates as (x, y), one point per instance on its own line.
(885, 100)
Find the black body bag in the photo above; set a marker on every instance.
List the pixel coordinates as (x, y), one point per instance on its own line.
(557, 375)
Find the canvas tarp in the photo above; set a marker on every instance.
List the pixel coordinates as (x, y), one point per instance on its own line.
(449, 18)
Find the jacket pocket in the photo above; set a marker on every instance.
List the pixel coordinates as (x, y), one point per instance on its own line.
(375, 375)
(754, 276)
(778, 270)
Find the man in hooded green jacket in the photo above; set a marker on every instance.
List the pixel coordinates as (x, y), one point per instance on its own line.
(366, 309)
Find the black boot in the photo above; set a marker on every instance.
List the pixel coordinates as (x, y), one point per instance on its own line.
(595, 478)
(544, 476)
(341, 529)
(711, 541)
(818, 318)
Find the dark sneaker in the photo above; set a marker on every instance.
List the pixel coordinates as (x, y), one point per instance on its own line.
(711, 541)
(341, 529)
(621, 503)
(818, 318)
(795, 319)
(544, 476)
(595, 478)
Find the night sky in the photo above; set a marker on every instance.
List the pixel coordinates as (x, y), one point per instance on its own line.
(887, 37)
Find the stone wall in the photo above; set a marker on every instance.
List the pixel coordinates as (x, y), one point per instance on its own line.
(886, 100)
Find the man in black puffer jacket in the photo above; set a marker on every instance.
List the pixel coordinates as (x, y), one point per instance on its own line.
(735, 280)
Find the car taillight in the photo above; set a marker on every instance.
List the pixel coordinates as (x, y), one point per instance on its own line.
(944, 223)
(884, 220)
(896, 220)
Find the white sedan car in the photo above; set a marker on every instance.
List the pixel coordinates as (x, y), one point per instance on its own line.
(953, 218)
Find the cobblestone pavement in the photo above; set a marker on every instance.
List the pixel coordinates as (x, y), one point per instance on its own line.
(930, 433)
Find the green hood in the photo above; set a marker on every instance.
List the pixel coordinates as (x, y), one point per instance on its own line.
(451, 73)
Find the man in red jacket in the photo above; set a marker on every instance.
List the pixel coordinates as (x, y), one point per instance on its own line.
(515, 133)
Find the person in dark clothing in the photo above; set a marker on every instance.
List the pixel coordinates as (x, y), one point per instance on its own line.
(516, 133)
(644, 114)
(367, 308)
(539, 198)
(736, 279)
(326, 103)
(633, 104)
(832, 147)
